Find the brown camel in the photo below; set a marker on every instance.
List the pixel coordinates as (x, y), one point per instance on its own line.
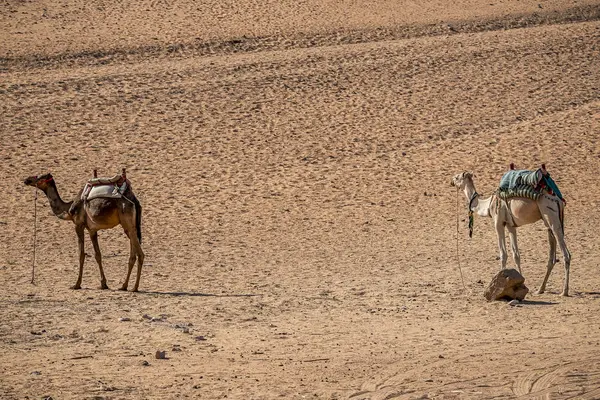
(518, 212)
(94, 215)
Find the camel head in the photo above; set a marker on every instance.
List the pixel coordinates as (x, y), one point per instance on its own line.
(39, 181)
(461, 180)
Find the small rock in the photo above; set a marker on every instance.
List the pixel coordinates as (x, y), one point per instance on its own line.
(161, 355)
(186, 329)
(145, 363)
(146, 316)
(124, 319)
(36, 373)
(200, 338)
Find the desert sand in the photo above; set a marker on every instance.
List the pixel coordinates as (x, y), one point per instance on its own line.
(293, 160)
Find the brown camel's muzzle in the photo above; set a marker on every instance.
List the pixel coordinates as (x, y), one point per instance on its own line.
(38, 181)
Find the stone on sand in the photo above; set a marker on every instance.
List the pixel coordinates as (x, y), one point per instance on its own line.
(506, 284)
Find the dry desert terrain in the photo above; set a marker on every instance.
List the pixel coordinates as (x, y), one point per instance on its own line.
(293, 160)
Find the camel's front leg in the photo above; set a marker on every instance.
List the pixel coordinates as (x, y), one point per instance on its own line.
(501, 243)
(551, 260)
(94, 237)
(80, 238)
(512, 232)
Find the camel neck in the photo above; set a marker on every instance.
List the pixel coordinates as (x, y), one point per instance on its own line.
(470, 192)
(59, 207)
(478, 205)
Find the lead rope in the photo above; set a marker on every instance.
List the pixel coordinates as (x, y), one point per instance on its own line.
(34, 234)
(457, 252)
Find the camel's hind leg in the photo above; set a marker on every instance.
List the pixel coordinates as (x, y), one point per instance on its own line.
(132, 258)
(140, 261)
(512, 232)
(94, 237)
(135, 252)
(555, 224)
(566, 258)
(551, 259)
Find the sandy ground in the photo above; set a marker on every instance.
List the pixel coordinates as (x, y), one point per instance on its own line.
(294, 162)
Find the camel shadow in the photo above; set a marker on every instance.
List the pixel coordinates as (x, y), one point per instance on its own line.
(194, 294)
(537, 303)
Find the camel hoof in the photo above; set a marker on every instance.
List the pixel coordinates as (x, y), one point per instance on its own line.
(103, 286)
(135, 289)
(565, 294)
(123, 288)
(76, 287)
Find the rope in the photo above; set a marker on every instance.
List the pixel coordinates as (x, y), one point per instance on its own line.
(34, 234)
(457, 252)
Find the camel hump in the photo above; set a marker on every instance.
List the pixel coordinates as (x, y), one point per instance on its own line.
(117, 179)
(518, 177)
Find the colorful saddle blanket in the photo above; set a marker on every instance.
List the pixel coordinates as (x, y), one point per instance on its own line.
(107, 188)
(527, 184)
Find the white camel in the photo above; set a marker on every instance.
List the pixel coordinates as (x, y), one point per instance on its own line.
(516, 212)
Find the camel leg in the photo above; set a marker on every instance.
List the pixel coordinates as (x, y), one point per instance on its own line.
(557, 230)
(98, 254)
(140, 261)
(80, 238)
(132, 258)
(512, 232)
(501, 243)
(551, 259)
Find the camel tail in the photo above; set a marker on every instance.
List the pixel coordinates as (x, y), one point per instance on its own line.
(138, 219)
(561, 210)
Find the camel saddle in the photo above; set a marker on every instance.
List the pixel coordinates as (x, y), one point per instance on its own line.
(107, 188)
(527, 184)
